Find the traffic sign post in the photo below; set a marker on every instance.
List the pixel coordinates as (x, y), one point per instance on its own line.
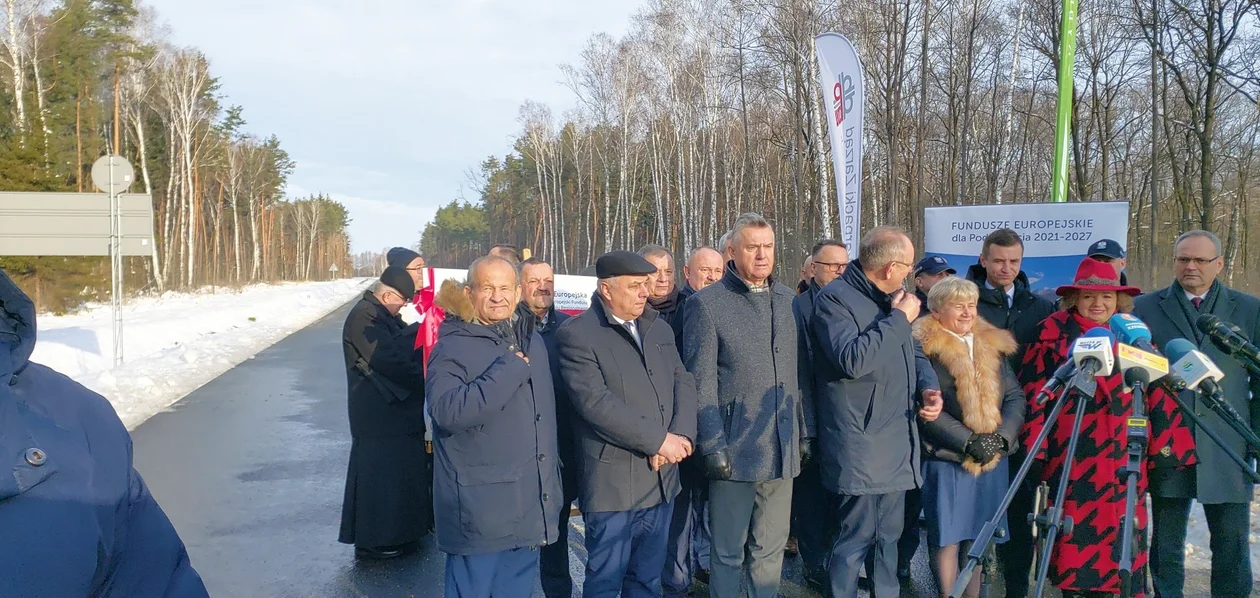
(113, 175)
(332, 271)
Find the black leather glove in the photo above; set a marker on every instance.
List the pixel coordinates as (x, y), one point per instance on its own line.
(984, 447)
(809, 448)
(717, 466)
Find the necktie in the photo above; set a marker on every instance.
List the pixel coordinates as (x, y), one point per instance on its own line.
(1196, 302)
(634, 333)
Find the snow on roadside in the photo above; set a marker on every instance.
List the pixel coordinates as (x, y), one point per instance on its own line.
(176, 342)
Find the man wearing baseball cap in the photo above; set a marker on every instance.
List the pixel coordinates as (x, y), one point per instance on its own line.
(1111, 252)
(929, 271)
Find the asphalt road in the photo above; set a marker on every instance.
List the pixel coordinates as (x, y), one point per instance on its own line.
(251, 469)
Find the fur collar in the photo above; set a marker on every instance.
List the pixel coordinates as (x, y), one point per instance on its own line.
(978, 381)
(452, 299)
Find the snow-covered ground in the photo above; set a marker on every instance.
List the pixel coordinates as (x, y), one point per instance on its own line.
(177, 342)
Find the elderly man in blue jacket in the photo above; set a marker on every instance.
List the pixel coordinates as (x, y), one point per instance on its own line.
(497, 491)
(870, 378)
(76, 519)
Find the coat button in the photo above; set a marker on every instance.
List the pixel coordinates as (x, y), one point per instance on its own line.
(538, 417)
(542, 457)
(662, 409)
(35, 457)
(650, 373)
(1166, 451)
(544, 497)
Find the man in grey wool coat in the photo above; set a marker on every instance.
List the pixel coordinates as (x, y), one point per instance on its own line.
(755, 418)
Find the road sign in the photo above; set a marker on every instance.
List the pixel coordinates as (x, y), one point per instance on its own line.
(73, 224)
(112, 174)
(333, 268)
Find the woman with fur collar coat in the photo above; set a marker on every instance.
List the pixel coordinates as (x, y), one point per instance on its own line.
(965, 473)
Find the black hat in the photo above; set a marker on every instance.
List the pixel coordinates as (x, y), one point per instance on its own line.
(397, 278)
(933, 265)
(1107, 248)
(622, 263)
(400, 256)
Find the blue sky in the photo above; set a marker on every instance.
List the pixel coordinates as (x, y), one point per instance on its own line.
(387, 105)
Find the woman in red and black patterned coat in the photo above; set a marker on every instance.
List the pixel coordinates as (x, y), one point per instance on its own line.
(1086, 563)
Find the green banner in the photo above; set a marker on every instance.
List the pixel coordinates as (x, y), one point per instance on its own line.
(1063, 124)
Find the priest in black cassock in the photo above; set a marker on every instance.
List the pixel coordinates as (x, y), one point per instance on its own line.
(387, 502)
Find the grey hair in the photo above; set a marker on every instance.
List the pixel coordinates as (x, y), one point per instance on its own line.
(1190, 234)
(724, 243)
(475, 268)
(881, 246)
(951, 289)
(747, 220)
(655, 251)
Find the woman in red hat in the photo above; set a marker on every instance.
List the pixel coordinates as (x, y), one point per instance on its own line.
(1085, 563)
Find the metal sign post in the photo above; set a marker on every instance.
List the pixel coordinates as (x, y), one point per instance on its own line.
(332, 271)
(113, 175)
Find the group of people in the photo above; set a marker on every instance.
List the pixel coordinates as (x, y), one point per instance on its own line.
(707, 429)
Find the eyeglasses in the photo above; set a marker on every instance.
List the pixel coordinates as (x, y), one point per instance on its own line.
(1198, 261)
(837, 267)
(902, 264)
(417, 268)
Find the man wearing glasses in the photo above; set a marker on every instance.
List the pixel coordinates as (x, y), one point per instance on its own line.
(870, 380)
(387, 503)
(812, 505)
(1216, 482)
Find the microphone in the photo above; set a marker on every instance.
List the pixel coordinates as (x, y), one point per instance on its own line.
(1191, 368)
(1228, 337)
(1138, 358)
(1093, 348)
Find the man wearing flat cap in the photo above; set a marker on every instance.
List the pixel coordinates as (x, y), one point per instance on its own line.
(387, 504)
(635, 406)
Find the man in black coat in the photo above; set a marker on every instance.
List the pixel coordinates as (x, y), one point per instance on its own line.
(496, 483)
(387, 503)
(812, 505)
(1215, 482)
(1007, 302)
(929, 271)
(636, 412)
(663, 293)
(1109, 251)
(538, 301)
(688, 550)
(871, 378)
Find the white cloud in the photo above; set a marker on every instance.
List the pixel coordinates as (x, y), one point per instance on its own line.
(389, 102)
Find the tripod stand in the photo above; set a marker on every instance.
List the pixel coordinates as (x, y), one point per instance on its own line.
(1080, 389)
(1138, 434)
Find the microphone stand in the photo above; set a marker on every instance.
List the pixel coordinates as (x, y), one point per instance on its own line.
(1053, 518)
(1197, 423)
(1138, 434)
(1079, 387)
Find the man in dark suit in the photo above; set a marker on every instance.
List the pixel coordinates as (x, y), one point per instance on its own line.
(635, 405)
(1216, 482)
(538, 301)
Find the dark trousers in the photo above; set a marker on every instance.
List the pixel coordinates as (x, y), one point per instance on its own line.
(1016, 555)
(750, 522)
(626, 552)
(1229, 525)
(688, 532)
(506, 574)
(812, 521)
(910, 532)
(553, 559)
(870, 523)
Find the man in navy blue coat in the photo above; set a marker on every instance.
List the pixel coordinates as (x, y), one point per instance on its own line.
(538, 301)
(76, 519)
(496, 482)
(870, 377)
(636, 412)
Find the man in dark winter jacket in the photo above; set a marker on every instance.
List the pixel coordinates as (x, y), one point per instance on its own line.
(497, 490)
(1007, 302)
(538, 299)
(75, 517)
(688, 550)
(1109, 251)
(387, 502)
(871, 377)
(929, 271)
(635, 405)
(664, 295)
(739, 341)
(812, 505)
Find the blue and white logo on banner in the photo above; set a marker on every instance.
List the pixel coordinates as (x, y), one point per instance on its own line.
(1057, 236)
